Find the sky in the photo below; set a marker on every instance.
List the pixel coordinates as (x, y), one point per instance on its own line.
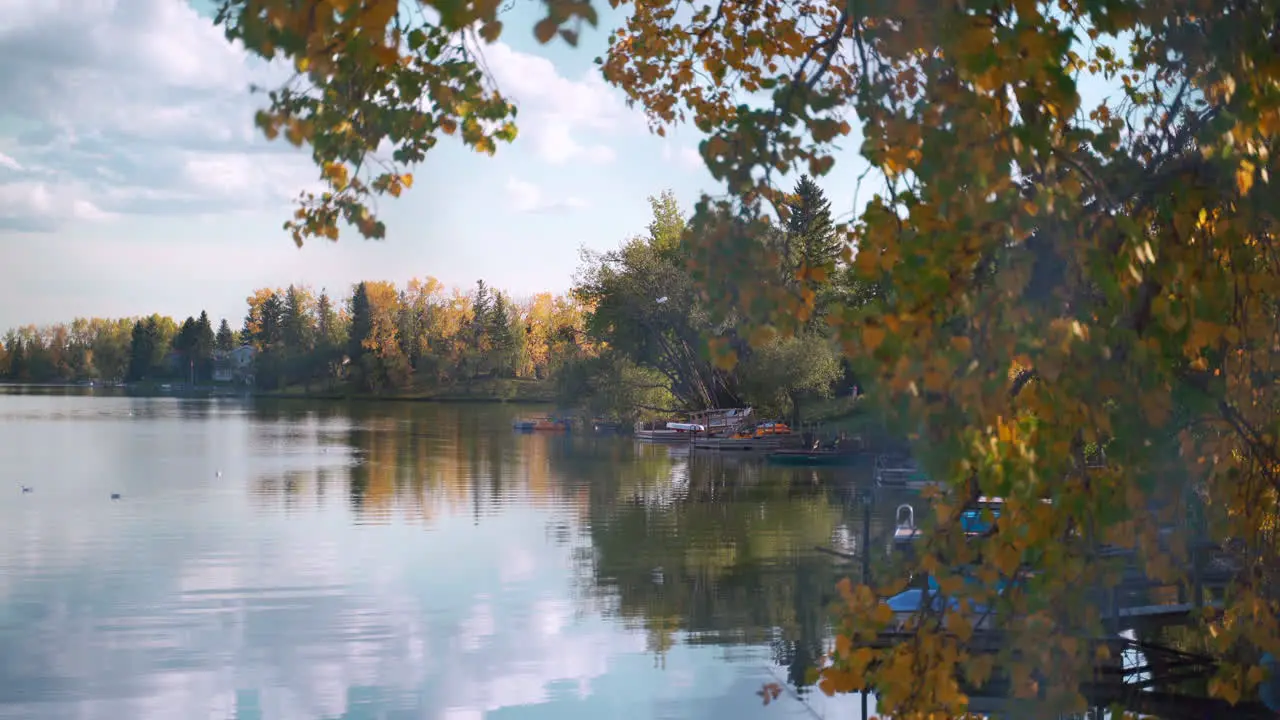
(133, 181)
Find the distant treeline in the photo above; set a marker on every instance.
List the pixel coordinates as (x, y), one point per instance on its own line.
(632, 337)
(378, 338)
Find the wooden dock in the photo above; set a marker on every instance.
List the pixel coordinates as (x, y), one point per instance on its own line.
(765, 443)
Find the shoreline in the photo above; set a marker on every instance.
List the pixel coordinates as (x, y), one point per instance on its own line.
(373, 397)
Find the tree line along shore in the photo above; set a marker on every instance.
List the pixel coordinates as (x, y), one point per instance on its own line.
(628, 341)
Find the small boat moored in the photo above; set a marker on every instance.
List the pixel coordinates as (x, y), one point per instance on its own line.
(824, 457)
(900, 473)
(667, 431)
(544, 424)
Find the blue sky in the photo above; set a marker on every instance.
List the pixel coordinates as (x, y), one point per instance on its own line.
(132, 181)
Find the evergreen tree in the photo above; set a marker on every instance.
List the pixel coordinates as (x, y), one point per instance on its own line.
(361, 323)
(226, 338)
(205, 339)
(205, 342)
(18, 370)
(811, 233)
(481, 306)
(142, 349)
(296, 323)
(502, 339)
(811, 241)
(272, 322)
(248, 334)
(186, 343)
(327, 323)
(329, 342)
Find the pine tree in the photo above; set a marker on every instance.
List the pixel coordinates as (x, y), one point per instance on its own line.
(17, 358)
(141, 349)
(272, 334)
(811, 232)
(811, 241)
(205, 342)
(226, 339)
(326, 321)
(329, 342)
(297, 324)
(481, 306)
(361, 323)
(502, 341)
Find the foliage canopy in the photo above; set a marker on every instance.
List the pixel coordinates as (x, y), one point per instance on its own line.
(1049, 276)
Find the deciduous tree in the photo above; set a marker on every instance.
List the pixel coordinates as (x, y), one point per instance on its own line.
(1047, 275)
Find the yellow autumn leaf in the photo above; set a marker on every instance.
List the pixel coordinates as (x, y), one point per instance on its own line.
(872, 337)
(727, 359)
(1244, 176)
(883, 614)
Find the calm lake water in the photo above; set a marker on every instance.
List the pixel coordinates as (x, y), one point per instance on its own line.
(308, 561)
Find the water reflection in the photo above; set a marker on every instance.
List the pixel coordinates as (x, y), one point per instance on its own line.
(396, 560)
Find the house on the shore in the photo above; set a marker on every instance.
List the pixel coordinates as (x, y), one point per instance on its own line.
(235, 366)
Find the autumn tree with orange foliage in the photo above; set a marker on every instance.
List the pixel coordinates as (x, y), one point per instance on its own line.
(1050, 277)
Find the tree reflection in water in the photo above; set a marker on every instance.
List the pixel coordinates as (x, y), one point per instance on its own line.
(695, 548)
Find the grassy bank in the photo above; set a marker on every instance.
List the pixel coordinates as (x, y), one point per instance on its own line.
(506, 390)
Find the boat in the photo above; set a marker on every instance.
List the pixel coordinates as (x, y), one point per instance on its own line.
(802, 456)
(909, 603)
(544, 424)
(900, 473)
(722, 421)
(972, 520)
(741, 444)
(750, 438)
(907, 606)
(606, 426)
(665, 431)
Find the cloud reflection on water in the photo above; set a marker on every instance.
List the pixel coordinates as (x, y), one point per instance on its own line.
(255, 596)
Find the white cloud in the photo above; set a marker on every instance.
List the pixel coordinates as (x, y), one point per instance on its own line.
(565, 120)
(132, 106)
(683, 156)
(121, 107)
(525, 197)
(36, 206)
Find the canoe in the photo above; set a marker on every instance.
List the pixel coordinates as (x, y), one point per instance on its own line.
(663, 436)
(813, 457)
(540, 425)
(740, 444)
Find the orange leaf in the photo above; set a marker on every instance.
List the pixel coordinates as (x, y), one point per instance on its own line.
(545, 30)
(872, 336)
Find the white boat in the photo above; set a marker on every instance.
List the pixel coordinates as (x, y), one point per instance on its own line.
(701, 424)
(662, 432)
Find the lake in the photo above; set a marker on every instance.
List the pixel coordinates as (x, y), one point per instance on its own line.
(306, 561)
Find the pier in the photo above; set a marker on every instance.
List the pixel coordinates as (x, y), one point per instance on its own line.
(1137, 674)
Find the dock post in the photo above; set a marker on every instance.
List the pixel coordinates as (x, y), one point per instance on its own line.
(864, 498)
